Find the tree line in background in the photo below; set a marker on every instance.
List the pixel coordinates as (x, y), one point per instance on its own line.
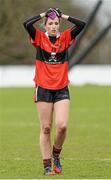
(14, 44)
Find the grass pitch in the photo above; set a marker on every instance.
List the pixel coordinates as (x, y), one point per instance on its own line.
(87, 149)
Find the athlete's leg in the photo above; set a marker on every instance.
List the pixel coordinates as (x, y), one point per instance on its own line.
(61, 109)
(45, 116)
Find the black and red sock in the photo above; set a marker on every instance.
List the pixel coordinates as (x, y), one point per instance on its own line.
(56, 152)
(47, 162)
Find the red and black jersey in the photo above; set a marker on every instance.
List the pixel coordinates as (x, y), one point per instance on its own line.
(51, 70)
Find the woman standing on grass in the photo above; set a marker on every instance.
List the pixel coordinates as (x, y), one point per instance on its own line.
(51, 81)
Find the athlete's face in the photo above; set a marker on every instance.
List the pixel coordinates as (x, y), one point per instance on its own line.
(52, 26)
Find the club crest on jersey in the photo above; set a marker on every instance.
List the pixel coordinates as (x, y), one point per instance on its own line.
(53, 59)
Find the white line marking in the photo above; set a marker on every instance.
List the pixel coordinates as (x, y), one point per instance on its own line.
(69, 159)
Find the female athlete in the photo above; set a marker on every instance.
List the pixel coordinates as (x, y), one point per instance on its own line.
(51, 81)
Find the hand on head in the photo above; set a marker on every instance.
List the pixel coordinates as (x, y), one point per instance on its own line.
(53, 12)
(58, 12)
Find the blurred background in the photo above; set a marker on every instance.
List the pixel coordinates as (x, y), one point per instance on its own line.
(92, 48)
(14, 46)
(87, 152)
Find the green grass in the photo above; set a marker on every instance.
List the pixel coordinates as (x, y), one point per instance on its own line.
(87, 149)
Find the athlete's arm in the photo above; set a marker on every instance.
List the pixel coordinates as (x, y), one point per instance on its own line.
(28, 24)
(78, 25)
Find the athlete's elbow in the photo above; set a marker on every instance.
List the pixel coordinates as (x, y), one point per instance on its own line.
(25, 24)
(83, 24)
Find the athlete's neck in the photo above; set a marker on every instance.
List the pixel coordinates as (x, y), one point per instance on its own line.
(57, 35)
(53, 39)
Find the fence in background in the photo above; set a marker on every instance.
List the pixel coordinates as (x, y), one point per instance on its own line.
(22, 76)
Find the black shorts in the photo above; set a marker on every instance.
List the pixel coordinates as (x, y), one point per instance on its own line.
(48, 95)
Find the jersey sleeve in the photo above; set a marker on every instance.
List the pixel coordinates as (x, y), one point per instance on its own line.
(69, 40)
(37, 39)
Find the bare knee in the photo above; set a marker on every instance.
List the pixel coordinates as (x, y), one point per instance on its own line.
(62, 129)
(46, 130)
